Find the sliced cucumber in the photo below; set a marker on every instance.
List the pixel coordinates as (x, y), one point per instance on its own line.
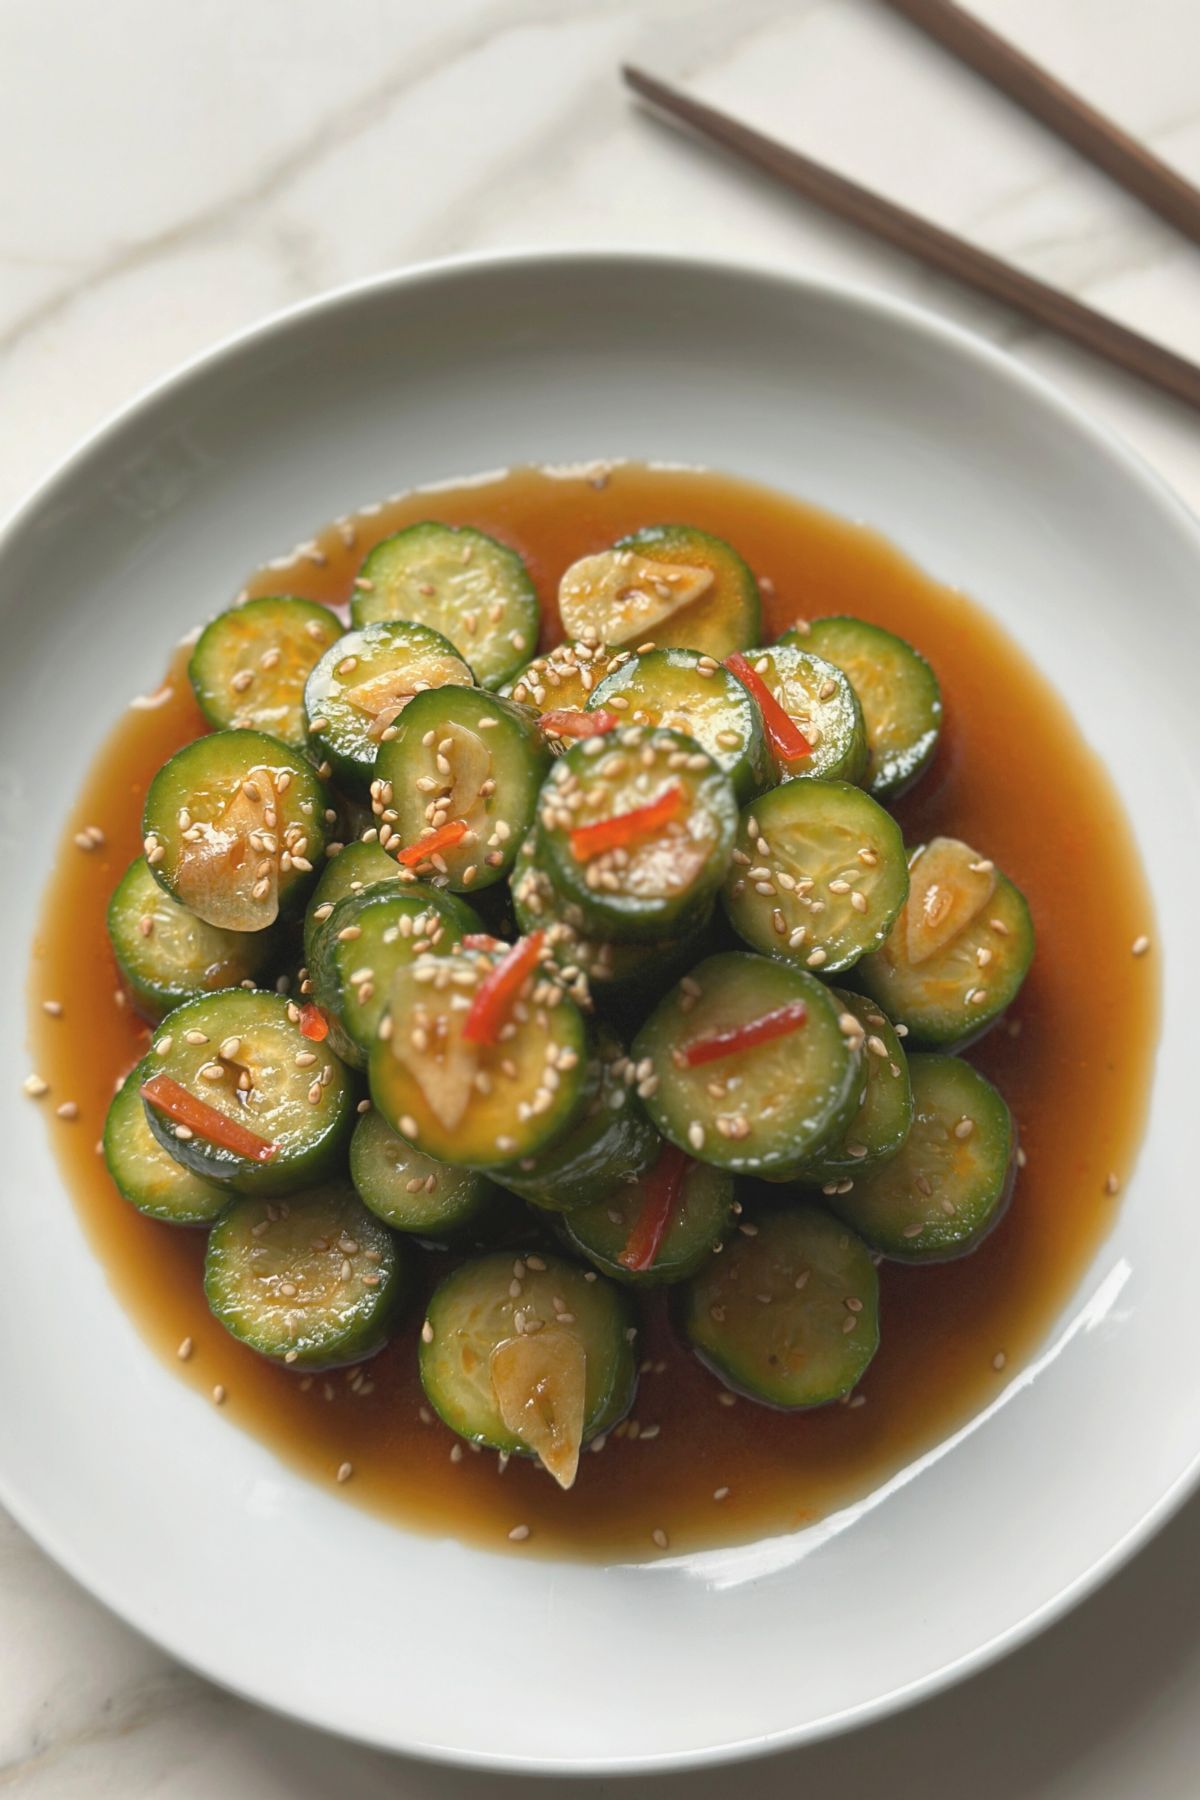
(360, 688)
(250, 664)
(818, 698)
(471, 588)
(701, 1219)
(166, 954)
(789, 1316)
(371, 934)
(959, 951)
(314, 1281)
(143, 1172)
(529, 1360)
(244, 1055)
(462, 757)
(691, 693)
(674, 809)
(538, 905)
(884, 1118)
(563, 678)
(671, 585)
(478, 1105)
(409, 1191)
(819, 874)
(898, 693)
(610, 1140)
(950, 1183)
(234, 828)
(355, 867)
(766, 1109)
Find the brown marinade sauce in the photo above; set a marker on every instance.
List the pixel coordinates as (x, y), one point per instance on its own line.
(1012, 776)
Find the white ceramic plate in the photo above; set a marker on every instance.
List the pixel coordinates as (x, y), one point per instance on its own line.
(193, 1531)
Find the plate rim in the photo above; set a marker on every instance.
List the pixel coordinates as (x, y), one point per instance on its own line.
(918, 321)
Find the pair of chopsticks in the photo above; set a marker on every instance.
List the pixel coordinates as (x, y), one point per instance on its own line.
(1088, 131)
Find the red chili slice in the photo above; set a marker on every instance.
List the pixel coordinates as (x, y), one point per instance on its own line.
(444, 838)
(499, 988)
(650, 1227)
(567, 724)
(770, 1025)
(313, 1022)
(171, 1097)
(785, 735)
(628, 828)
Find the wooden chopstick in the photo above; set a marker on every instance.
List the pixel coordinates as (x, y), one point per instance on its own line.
(929, 244)
(1088, 131)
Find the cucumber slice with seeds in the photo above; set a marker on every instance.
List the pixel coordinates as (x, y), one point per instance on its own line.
(315, 1281)
(610, 1140)
(880, 1127)
(466, 757)
(143, 1172)
(819, 875)
(672, 585)
(563, 679)
(355, 867)
(590, 962)
(473, 589)
(959, 951)
(234, 828)
(371, 934)
(166, 954)
(478, 1105)
(701, 1220)
(528, 1360)
(690, 693)
(250, 664)
(409, 1191)
(898, 693)
(764, 1110)
(817, 696)
(637, 830)
(950, 1183)
(360, 688)
(245, 1055)
(790, 1316)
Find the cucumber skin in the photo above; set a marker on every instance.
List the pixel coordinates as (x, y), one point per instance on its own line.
(209, 1201)
(617, 919)
(364, 1338)
(598, 1149)
(321, 1162)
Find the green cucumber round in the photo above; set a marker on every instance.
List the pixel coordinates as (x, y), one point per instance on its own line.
(250, 664)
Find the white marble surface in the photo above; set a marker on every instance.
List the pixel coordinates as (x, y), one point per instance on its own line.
(170, 173)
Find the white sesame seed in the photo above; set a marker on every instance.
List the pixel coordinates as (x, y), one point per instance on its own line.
(518, 1534)
(345, 1471)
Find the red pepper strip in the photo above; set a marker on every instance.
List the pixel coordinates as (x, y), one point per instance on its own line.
(444, 838)
(786, 737)
(313, 1022)
(170, 1097)
(483, 940)
(499, 988)
(775, 1024)
(578, 724)
(588, 841)
(650, 1226)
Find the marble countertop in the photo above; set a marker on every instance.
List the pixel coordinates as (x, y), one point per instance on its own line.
(169, 174)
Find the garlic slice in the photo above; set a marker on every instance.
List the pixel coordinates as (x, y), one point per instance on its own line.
(383, 699)
(444, 1072)
(623, 596)
(471, 764)
(228, 872)
(539, 1380)
(949, 884)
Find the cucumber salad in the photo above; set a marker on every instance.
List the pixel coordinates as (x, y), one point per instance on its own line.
(493, 982)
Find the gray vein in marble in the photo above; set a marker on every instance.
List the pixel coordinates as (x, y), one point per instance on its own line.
(331, 133)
